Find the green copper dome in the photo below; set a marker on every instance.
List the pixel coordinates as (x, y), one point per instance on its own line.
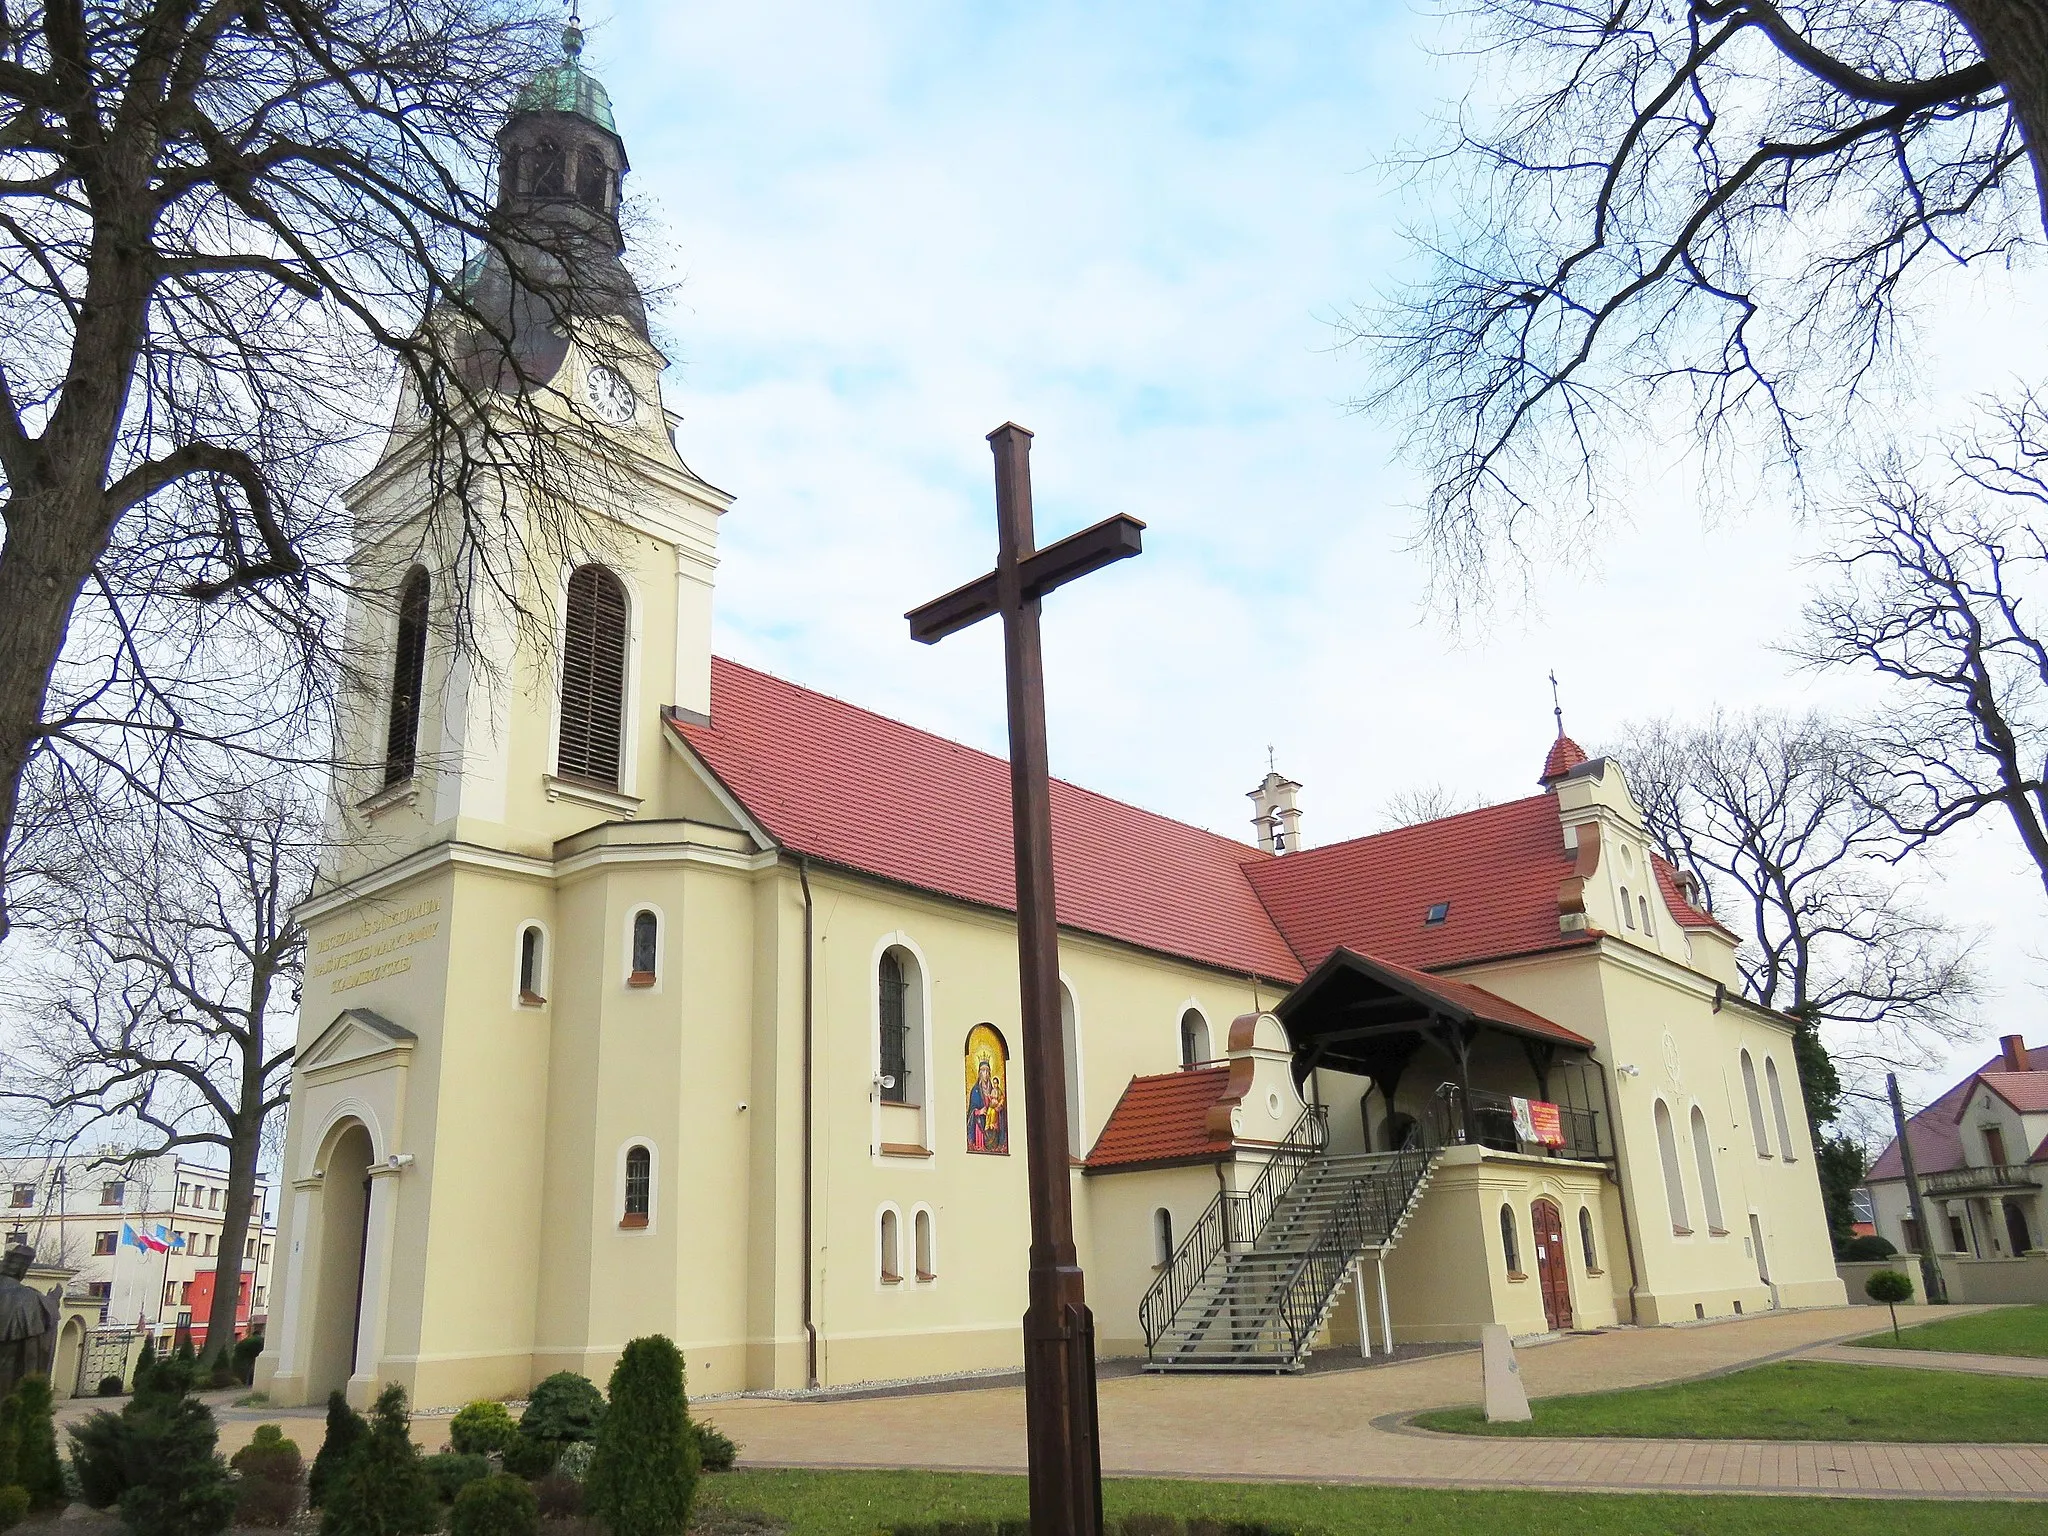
(568, 87)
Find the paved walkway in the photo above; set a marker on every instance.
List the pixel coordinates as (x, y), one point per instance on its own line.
(1933, 1360)
(1337, 1426)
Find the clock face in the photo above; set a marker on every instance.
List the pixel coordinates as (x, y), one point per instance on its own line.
(608, 395)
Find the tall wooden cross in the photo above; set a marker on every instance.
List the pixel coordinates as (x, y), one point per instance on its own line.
(1059, 1331)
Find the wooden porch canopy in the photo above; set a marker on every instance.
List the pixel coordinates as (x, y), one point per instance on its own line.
(1356, 1014)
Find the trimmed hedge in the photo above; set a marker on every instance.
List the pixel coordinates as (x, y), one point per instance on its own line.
(564, 1407)
(498, 1505)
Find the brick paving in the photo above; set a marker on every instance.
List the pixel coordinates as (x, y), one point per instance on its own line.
(1339, 1426)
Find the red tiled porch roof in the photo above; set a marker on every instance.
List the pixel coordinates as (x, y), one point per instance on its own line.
(2026, 1092)
(1162, 1119)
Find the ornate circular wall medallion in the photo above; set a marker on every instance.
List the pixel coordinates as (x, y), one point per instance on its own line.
(1672, 1068)
(608, 395)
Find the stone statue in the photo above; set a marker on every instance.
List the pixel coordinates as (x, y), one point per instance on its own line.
(28, 1321)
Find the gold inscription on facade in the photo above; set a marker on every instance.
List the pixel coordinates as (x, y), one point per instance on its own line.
(396, 967)
(373, 925)
(365, 952)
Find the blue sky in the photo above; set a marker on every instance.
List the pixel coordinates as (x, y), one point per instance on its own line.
(1129, 228)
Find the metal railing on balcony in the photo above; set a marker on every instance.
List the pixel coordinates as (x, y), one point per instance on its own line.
(1956, 1181)
(1491, 1123)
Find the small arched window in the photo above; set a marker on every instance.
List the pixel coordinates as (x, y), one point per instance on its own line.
(639, 1187)
(1710, 1186)
(532, 965)
(550, 170)
(1194, 1038)
(646, 948)
(1586, 1241)
(1778, 1110)
(1628, 915)
(1756, 1107)
(1643, 906)
(1162, 1237)
(593, 678)
(408, 676)
(927, 1266)
(1674, 1180)
(1070, 1049)
(1510, 1245)
(891, 1268)
(893, 986)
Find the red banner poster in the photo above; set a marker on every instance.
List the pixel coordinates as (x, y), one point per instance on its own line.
(1547, 1123)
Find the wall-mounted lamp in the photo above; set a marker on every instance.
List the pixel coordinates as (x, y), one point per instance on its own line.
(1629, 1069)
(398, 1160)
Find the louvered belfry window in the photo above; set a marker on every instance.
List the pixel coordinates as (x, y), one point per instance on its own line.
(593, 678)
(408, 672)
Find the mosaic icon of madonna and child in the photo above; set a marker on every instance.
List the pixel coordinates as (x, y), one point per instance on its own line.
(988, 1099)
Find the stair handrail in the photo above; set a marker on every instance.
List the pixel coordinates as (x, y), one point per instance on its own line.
(1230, 1218)
(1344, 1234)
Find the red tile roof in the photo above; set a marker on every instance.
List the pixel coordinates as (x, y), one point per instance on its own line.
(853, 788)
(1937, 1143)
(1686, 914)
(1162, 1119)
(1565, 755)
(1481, 1004)
(2026, 1092)
(1498, 868)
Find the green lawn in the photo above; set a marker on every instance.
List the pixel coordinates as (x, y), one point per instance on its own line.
(1792, 1400)
(856, 1503)
(2008, 1331)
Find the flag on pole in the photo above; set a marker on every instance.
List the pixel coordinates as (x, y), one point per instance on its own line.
(130, 1238)
(154, 1241)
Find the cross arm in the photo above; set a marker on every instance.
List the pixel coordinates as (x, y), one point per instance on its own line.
(1113, 539)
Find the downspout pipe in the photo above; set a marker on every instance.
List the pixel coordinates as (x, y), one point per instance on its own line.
(1628, 1231)
(803, 875)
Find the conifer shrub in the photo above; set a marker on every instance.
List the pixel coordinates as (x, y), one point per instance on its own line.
(36, 1464)
(482, 1429)
(715, 1451)
(499, 1505)
(10, 1441)
(13, 1506)
(524, 1456)
(574, 1462)
(381, 1487)
(177, 1483)
(453, 1471)
(269, 1456)
(643, 1479)
(564, 1407)
(346, 1429)
(266, 1505)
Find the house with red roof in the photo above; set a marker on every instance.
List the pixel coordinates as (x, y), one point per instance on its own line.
(647, 991)
(1980, 1153)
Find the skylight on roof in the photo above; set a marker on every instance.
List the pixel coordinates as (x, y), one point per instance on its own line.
(1436, 914)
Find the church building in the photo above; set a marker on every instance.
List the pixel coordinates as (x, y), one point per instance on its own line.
(649, 992)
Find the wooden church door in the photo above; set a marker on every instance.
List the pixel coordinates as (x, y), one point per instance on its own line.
(1547, 1225)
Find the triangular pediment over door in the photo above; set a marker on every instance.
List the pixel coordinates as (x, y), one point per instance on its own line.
(357, 1041)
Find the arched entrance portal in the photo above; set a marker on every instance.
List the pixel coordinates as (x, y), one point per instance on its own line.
(344, 1226)
(70, 1358)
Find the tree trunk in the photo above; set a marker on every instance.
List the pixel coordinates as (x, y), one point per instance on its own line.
(235, 1231)
(2014, 37)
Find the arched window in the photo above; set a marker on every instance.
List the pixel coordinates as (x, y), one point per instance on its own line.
(639, 1186)
(901, 1040)
(1643, 906)
(646, 948)
(1194, 1038)
(891, 1269)
(1756, 1107)
(927, 1267)
(1510, 1248)
(593, 678)
(1162, 1237)
(1586, 1240)
(550, 170)
(408, 675)
(1778, 1110)
(1628, 915)
(1710, 1187)
(533, 975)
(1070, 1041)
(1674, 1181)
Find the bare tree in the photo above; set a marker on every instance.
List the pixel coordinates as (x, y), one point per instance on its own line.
(1937, 592)
(157, 1000)
(1767, 812)
(1423, 802)
(1700, 216)
(222, 226)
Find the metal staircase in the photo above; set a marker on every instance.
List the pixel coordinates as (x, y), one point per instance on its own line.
(1255, 1280)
